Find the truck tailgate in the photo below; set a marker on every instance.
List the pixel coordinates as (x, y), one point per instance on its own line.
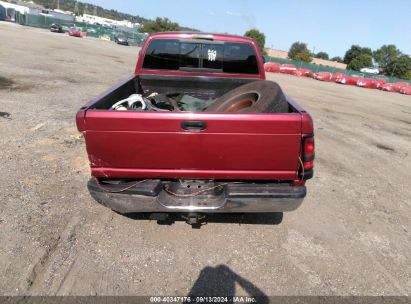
(156, 145)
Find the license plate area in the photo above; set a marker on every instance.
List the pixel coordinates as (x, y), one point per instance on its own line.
(193, 195)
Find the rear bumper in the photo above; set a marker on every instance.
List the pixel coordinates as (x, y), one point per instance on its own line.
(233, 198)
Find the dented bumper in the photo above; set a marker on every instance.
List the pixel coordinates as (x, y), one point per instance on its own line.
(156, 196)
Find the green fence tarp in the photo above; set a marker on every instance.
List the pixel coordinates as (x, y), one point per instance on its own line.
(93, 30)
(2, 13)
(324, 68)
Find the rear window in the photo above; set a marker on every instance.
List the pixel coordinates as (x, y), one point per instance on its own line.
(189, 55)
(171, 54)
(240, 58)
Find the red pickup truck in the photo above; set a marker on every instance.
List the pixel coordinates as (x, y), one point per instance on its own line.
(197, 129)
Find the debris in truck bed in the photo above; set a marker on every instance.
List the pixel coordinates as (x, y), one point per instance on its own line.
(133, 102)
(193, 104)
(254, 97)
(162, 102)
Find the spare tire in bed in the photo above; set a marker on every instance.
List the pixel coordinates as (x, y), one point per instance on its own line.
(260, 96)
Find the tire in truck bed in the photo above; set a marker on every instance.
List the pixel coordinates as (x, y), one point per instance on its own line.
(261, 96)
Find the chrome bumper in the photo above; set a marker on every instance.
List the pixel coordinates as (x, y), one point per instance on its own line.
(235, 198)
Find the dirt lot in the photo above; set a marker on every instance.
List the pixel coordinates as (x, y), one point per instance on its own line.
(350, 237)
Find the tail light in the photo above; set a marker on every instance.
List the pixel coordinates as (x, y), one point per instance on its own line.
(308, 154)
(309, 149)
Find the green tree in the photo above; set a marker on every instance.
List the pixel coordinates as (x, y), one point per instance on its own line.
(393, 62)
(356, 51)
(159, 25)
(258, 36)
(386, 54)
(322, 55)
(359, 62)
(303, 56)
(299, 51)
(337, 59)
(400, 67)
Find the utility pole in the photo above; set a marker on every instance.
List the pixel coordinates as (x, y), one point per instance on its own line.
(58, 4)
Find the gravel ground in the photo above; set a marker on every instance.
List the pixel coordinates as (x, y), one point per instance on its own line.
(350, 237)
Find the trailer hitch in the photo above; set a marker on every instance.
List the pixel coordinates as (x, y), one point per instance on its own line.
(194, 219)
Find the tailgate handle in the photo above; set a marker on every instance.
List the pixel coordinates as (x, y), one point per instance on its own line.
(193, 125)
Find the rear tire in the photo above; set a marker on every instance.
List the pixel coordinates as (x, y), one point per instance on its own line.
(261, 96)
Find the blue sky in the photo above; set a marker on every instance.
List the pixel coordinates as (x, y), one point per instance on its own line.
(331, 26)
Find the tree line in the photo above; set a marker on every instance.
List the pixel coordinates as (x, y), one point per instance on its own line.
(390, 60)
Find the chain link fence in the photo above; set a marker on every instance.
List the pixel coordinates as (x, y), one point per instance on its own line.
(92, 30)
(323, 68)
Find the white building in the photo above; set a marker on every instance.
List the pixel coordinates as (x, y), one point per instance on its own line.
(58, 14)
(10, 10)
(91, 19)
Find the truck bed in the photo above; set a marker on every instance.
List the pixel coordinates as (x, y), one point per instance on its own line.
(199, 87)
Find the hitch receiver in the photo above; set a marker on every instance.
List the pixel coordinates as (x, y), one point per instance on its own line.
(194, 218)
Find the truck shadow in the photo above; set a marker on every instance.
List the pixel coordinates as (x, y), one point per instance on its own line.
(228, 218)
(221, 281)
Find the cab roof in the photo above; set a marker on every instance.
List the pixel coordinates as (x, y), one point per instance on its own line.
(202, 35)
